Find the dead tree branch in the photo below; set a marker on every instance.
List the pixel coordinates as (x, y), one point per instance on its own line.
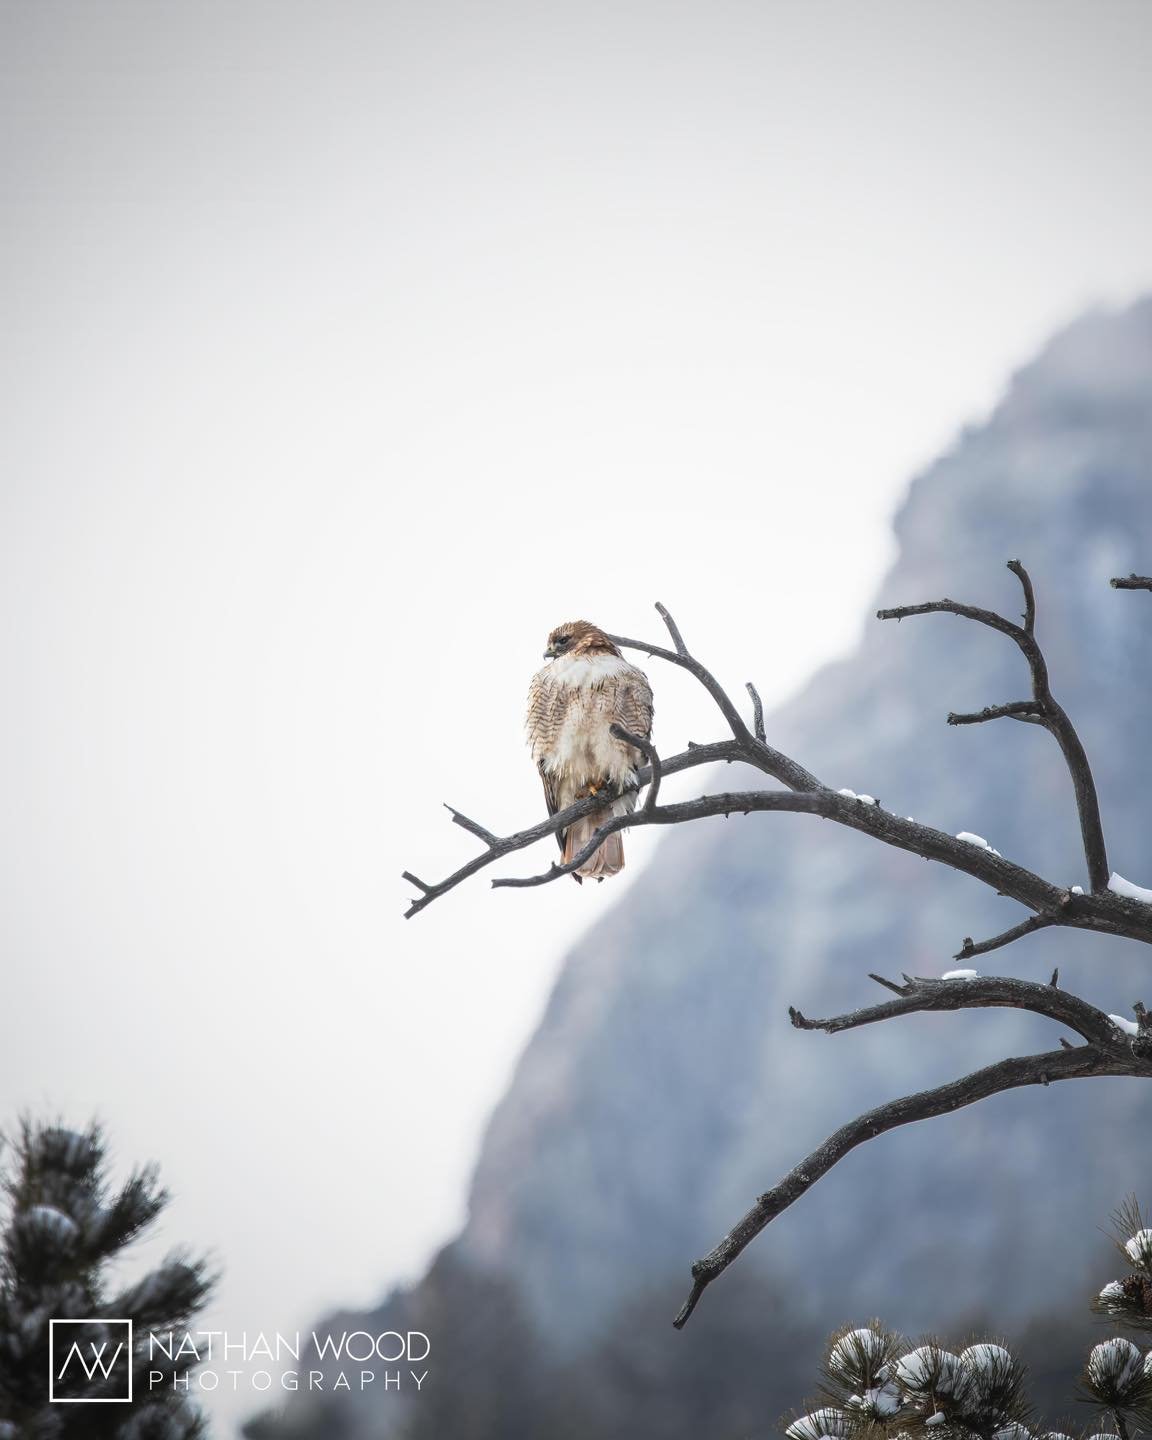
(920, 993)
(1107, 1049)
(1106, 913)
(1026, 710)
(755, 751)
(1042, 709)
(971, 948)
(655, 769)
(1078, 1063)
(1132, 582)
(497, 846)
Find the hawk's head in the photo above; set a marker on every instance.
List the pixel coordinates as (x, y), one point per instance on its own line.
(578, 637)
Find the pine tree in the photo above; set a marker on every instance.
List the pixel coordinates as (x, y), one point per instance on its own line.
(880, 1386)
(62, 1226)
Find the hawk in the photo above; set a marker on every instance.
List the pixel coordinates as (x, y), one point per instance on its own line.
(573, 702)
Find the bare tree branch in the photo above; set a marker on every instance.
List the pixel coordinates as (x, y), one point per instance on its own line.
(1132, 582)
(972, 948)
(1015, 710)
(757, 751)
(920, 993)
(681, 657)
(1106, 913)
(655, 769)
(1079, 1062)
(500, 846)
(1045, 711)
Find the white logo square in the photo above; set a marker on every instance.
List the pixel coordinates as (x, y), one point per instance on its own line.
(72, 1357)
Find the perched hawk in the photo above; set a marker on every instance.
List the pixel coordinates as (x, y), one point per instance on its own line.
(586, 688)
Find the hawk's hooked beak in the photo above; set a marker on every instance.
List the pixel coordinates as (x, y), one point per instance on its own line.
(551, 653)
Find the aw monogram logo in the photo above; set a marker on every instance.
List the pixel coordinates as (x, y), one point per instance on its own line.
(90, 1362)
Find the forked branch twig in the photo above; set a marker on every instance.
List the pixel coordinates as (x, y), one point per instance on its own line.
(1043, 709)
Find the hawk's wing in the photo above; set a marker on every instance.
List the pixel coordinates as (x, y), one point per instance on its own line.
(546, 705)
(633, 707)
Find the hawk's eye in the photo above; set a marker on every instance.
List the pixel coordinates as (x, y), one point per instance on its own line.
(563, 640)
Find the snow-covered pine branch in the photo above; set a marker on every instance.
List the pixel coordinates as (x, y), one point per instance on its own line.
(879, 1386)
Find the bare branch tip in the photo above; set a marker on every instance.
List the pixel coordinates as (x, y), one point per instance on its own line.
(673, 630)
(757, 711)
(1029, 595)
(471, 826)
(689, 1305)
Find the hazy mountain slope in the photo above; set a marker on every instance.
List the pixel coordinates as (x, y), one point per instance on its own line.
(665, 1087)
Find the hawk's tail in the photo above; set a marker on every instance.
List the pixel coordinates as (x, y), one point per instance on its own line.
(609, 858)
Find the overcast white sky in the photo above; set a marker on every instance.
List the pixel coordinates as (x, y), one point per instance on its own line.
(346, 348)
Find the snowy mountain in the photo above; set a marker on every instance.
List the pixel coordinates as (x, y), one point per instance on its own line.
(665, 1087)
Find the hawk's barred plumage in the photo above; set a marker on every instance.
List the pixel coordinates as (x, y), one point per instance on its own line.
(573, 702)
